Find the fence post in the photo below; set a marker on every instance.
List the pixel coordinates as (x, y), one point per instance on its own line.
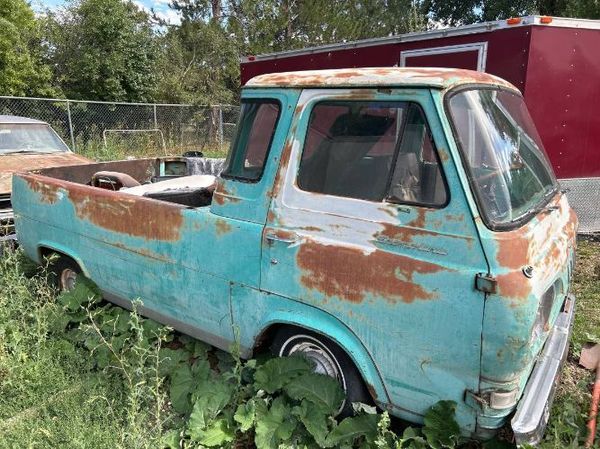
(71, 126)
(220, 125)
(155, 120)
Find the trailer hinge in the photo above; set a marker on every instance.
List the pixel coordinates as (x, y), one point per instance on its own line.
(486, 283)
(473, 400)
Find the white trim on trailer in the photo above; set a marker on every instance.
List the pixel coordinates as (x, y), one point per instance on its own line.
(432, 34)
(479, 47)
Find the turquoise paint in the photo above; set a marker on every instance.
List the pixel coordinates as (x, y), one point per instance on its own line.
(219, 274)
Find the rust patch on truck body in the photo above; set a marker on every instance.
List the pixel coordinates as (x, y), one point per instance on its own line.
(376, 77)
(48, 193)
(119, 212)
(350, 274)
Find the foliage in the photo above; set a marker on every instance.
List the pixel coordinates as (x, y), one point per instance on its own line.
(201, 56)
(73, 358)
(21, 69)
(457, 12)
(103, 50)
(75, 371)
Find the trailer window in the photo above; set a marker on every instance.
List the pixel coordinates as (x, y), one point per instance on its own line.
(256, 128)
(509, 170)
(372, 151)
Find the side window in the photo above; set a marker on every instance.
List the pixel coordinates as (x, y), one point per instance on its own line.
(256, 128)
(372, 151)
(417, 177)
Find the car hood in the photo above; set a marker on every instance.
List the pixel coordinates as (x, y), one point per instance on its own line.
(18, 162)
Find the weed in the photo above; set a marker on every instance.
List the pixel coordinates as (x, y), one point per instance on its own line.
(78, 372)
(140, 147)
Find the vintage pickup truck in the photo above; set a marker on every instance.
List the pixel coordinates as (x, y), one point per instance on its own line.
(402, 228)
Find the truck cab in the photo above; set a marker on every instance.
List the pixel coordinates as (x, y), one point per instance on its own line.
(402, 228)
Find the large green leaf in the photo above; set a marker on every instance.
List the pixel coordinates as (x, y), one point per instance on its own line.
(182, 383)
(217, 433)
(441, 429)
(169, 359)
(412, 439)
(170, 440)
(314, 420)
(273, 425)
(245, 415)
(211, 399)
(351, 428)
(277, 372)
(322, 391)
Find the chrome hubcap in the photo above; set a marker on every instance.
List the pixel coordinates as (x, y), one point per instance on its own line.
(67, 280)
(324, 363)
(323, 360)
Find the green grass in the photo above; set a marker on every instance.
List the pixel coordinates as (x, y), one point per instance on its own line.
(50, 395)
(141, 147)
(75, 374)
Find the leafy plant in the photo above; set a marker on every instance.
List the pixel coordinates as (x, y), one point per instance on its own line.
(157, 388)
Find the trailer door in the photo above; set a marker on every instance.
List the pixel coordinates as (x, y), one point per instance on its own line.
(469, 56)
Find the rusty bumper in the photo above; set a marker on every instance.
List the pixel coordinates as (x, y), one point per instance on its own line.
(533, 411)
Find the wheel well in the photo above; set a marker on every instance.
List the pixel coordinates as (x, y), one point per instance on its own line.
(47, 252)
(266, 337)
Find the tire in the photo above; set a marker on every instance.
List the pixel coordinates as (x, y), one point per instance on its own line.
(328, 359)
(64, 273)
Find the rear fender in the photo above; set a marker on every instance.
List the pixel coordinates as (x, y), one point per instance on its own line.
(45, 247)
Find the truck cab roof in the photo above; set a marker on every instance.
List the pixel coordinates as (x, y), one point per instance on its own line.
(439, 78)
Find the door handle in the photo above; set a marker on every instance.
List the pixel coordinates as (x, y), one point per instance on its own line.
(276, 238)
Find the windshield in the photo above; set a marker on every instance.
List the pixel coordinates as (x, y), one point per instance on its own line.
(505, 157)
(29, 138)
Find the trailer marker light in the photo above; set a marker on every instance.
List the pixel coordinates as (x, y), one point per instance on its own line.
(251, 58)
(513, 21)
(545, 20)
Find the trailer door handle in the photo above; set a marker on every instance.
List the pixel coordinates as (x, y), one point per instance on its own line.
(275, 238)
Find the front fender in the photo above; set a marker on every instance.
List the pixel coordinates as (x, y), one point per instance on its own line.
(254, 312)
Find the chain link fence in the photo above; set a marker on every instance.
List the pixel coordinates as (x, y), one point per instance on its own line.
(105, 130)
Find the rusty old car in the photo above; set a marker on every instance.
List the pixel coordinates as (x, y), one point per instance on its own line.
(27, 144)
(402, 228)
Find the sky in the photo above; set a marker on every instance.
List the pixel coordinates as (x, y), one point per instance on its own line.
(161, 8)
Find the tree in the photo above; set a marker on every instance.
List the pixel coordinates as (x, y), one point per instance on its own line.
(458, 12)
(104, 50)
(272, 25)
(22, 71)
(201, 62)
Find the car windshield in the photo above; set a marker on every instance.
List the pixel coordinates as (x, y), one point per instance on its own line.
(504, 154)
(29, 138)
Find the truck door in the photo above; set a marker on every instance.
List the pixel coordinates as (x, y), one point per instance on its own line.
(465, 56)
(369, 223)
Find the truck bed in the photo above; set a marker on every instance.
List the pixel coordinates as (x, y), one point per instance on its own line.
(134, 246)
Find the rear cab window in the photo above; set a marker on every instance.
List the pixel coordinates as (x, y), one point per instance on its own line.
(250, 150)
(372, 150)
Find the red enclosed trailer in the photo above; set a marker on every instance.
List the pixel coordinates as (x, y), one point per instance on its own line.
(555, 62)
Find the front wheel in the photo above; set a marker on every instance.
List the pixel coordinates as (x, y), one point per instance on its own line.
(328, 359)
